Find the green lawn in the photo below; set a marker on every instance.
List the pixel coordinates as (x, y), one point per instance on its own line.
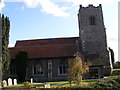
(58, 84)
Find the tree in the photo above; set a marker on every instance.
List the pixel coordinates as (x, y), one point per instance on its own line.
(76, 69)
(112, 55)
(21, 64)
(5, 42)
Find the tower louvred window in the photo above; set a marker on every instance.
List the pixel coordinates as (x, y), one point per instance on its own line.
(92, 20)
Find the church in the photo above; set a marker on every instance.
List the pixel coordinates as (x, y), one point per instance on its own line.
(48, 58)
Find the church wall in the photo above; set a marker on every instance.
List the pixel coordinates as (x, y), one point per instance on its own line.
(47, 70)
(55, 70)
(30, 70)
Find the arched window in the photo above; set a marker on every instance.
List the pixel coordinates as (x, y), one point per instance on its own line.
(38, 69)
(92, 20)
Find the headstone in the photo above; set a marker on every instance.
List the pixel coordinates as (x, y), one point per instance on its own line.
(31, 80)
(4, 83)
(9, 82)
(15, 81)
(47, 85)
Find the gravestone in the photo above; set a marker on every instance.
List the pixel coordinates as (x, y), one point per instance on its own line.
(47, 86)
(4, 83)
(31, 80)
(15, 81)
(9, 82)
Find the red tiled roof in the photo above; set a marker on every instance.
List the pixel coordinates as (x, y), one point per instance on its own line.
(46, 48)
(51, 41)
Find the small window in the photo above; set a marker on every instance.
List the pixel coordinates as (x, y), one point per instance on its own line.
(38, 69)
(92, 20)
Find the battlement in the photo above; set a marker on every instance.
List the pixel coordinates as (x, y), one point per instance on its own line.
(91, 5)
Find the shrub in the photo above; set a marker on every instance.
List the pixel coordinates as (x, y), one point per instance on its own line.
(105, 83)
(27, 84)
(117, 79)
(116, 65)
(21, 64)
(115, 72)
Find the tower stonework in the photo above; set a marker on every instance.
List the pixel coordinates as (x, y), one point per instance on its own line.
(93, 34)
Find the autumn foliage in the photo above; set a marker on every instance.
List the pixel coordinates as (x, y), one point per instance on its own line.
(76, 69)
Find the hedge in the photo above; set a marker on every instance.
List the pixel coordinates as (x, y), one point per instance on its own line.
(115, 72)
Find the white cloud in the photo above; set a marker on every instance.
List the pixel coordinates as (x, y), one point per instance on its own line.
(85, 2)
(52, 8)
(31, 3)
(47, 6)
(2, 5)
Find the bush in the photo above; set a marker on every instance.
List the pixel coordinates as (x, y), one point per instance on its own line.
(116, 65)
(117, 79)
(115, 72)
(105, 83)
(27, 84)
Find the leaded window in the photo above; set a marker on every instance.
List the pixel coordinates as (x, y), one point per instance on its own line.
(63, 66)
(63, 69)
(49, 64)
(38, 69)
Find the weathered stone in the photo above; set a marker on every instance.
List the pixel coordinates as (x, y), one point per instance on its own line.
(47, 86)
(9, 82)
(4, 83)
(15, 81)
(31, 80)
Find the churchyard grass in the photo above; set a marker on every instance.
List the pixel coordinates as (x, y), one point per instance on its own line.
(57, 84)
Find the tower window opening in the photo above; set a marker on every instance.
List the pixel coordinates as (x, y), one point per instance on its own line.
(92, 20)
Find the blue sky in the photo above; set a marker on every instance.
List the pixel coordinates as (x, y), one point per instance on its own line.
(36, 19)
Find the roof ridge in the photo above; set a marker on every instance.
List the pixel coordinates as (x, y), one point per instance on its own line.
(47, 39)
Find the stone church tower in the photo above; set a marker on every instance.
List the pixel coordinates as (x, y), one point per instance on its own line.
(92, 33)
